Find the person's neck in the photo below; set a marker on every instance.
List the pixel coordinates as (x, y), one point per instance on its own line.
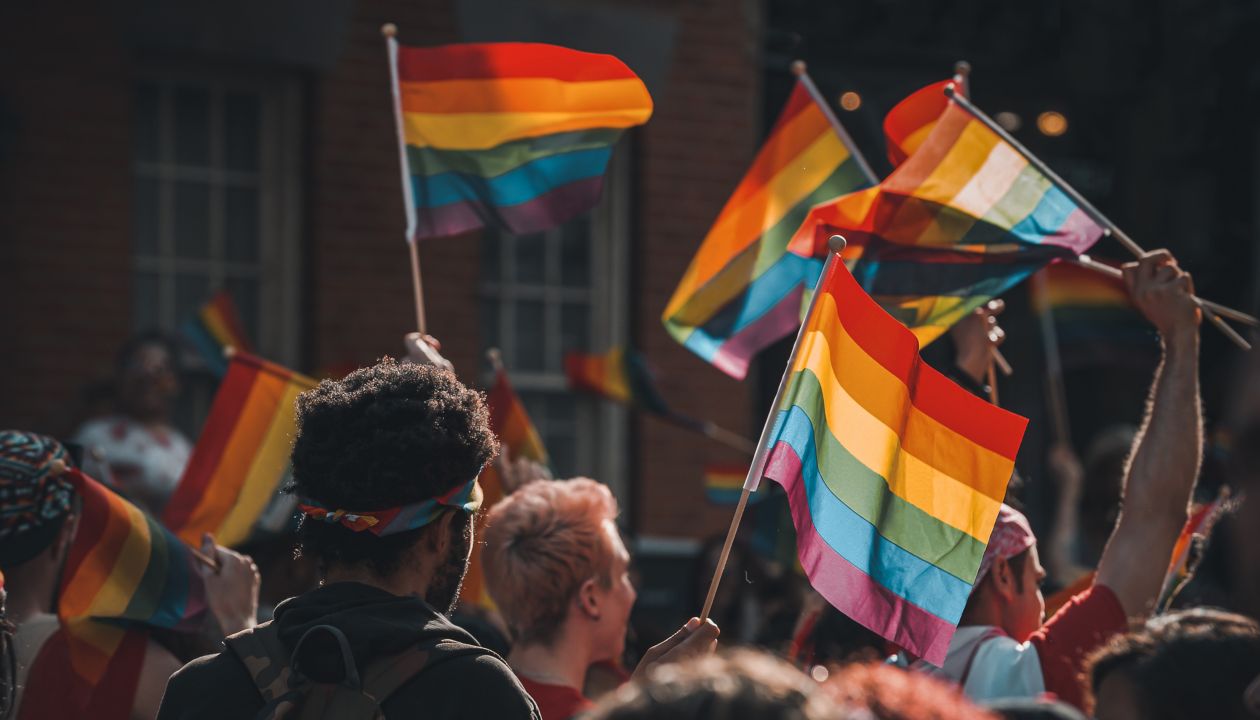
(402, 583)
(30, 592)
(563, 662)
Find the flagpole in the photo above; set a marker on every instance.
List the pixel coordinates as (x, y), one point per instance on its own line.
(1110, 227)
(798, 69)
(390, 31)
(753, 480)
(1086, 261)
(962, 76)
(1055, 393)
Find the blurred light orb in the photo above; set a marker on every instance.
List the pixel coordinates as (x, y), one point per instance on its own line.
(850, 101)
(1051, 123)
(1009, 121)
(819, 673)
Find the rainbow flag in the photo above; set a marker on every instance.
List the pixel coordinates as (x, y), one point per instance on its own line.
(965, 189)
(744, 288)
(1095, 321)
(723, 484)
(1202, 518)
(511, 424)
(910, 121)
(621, 375)
(242, 455)
(894, 473)
(511, 135)
(123, 573)
(216, 326)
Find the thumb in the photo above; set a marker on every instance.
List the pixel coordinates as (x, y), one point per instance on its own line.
(674, 640)
(700, 640)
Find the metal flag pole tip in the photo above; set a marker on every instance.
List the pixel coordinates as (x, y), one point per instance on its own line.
(962, 67)
(389, 30)
(837, 243)
(798, 67)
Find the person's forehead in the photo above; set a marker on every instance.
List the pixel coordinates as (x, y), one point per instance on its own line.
(618, 546)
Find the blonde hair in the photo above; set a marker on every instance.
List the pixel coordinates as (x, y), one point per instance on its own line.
(542, 542)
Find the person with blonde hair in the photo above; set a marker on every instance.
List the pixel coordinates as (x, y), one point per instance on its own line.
(559, 573)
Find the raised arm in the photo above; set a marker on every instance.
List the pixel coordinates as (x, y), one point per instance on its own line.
(1168, 448)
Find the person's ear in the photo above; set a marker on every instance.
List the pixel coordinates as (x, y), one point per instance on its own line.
(438, 539)
(588, 599)
(1003, 579)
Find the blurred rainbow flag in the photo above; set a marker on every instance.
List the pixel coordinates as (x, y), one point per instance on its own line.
(743, 290)
(723, 484)
(242, 455)
(894, 474)
(123, 573)
(509, 135)
(1095, 321)
(621, 375)
(216, 326)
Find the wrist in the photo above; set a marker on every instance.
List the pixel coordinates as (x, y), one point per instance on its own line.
(1181, 339)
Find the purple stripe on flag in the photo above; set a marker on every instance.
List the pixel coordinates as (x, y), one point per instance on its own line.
(1078, 232)
(734, 355)
(542, 213)
(848, 589)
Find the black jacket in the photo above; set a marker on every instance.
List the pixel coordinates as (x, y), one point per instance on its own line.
(377, 624)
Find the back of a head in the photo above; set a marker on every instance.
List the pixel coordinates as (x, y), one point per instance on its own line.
(883, 692)
(738, 684)
(33, 500)
(1192, 663)
(385, 436)
(542, 542)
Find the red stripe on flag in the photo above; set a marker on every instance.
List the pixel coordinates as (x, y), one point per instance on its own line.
(490, 61)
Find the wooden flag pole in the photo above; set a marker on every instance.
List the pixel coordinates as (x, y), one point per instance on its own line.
(993, 388)
(1086, 261)
(798, 69)
(416, 286)
(1056, 396)
(753, 480)
(1111, 228)
(390, 31)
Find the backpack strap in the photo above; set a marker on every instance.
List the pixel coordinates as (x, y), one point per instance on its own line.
(384, 676)
(265, 658)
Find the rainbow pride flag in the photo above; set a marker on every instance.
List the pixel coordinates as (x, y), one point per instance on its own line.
(511, 135)
(216, 326)
(910, 121)
(1095, 321)
(242, 455)
(894, 473)
(1202, 518)
(744, 288)
(965, 189)
(620, 375)
(123, 573)
(511, 424)
(723, 484)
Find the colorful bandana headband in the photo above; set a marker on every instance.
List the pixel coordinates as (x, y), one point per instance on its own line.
(399, 519)
(31, 495)
(1011, 536)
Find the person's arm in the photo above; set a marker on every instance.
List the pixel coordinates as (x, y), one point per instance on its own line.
(159, 665)
(1168, 448)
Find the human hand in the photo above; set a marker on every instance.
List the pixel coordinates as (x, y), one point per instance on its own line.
(1164, 293)
(425, 350)
(231, 588)
(691, 640)
(513, 473)
(976, 337)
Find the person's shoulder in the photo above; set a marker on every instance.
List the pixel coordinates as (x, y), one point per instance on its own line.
(210, 686)
(471, 683)
(96, 430)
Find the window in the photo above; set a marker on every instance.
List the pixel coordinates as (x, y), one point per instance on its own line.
(216, 208)
(545, 294)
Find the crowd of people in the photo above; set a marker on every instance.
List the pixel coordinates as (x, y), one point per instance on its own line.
(373, 630)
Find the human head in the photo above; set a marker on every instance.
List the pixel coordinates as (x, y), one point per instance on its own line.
(1192, 663)
(147, 376)
(1007, 591)
(737, 684)
(555, 565)
(882, 692)
(34, 500)
(387, 436)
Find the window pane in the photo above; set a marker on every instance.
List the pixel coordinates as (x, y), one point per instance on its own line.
(575, 325)
(531, 259)
(575, 253)
(192, 220)
(491, 257)
(148, 124)
(241, 224)
(192, 126)
(191, 291)
(145, 302)
(147, 217)
(536, 406)
(244, 292)
(530, 343)
(240, 128)
(561, 437)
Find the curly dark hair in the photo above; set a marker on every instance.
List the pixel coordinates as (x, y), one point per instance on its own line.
(387, 435)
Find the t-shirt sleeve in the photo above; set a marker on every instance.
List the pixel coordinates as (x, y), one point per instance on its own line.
(1001, 669)
(1081, 626)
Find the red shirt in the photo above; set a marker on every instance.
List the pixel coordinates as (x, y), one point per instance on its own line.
(1081, 626)
(556, 702)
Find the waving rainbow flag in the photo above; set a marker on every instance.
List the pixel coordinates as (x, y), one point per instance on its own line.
(910, 121)
(965, 189)
(894, 473)
(216, 327)
(620, 375)
(1095, 320)
(743, 290)
(511, 135)
(242, 455)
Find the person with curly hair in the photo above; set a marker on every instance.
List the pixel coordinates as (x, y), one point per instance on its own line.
(385, 466)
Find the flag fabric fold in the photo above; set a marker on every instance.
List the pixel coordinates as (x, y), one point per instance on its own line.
(744, 289)
(509, 135)
(894, 473)
(910, 121)
(242, 455)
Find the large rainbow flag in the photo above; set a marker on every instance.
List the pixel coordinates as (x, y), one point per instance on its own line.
(511, 424)
(1095, 320)
(744, 288)
(965, 189)
(242, 455)
(123, 573)
(511, 135)
(894, 473)
(216, 327)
